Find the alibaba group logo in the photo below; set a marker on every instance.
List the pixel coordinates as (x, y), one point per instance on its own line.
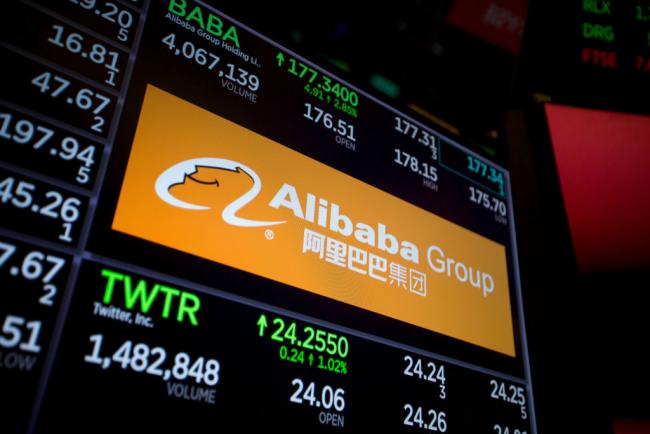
(188, 171)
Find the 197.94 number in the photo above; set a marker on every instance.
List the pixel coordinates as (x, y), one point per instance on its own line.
(24, 132)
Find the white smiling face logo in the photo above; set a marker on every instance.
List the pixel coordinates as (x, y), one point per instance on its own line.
(178, 173)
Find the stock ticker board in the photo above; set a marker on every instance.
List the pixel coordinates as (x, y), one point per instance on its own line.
(203, 230)
(615, 35)
(589, 53)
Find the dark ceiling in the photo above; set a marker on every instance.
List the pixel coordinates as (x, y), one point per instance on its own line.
(408, 52)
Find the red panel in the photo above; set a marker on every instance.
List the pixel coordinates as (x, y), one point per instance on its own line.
(632, 427)
(603, 161)
(499, 22)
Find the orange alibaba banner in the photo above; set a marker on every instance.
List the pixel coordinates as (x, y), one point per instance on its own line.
(201, 184)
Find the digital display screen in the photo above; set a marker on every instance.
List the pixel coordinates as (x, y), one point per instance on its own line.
(203, 230)
(615, 35)
(588, 53)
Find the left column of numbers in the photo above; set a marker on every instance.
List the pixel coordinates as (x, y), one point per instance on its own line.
(65, 68)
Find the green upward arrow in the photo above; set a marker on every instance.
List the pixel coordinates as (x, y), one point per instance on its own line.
(280, 58)
(262, 324)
